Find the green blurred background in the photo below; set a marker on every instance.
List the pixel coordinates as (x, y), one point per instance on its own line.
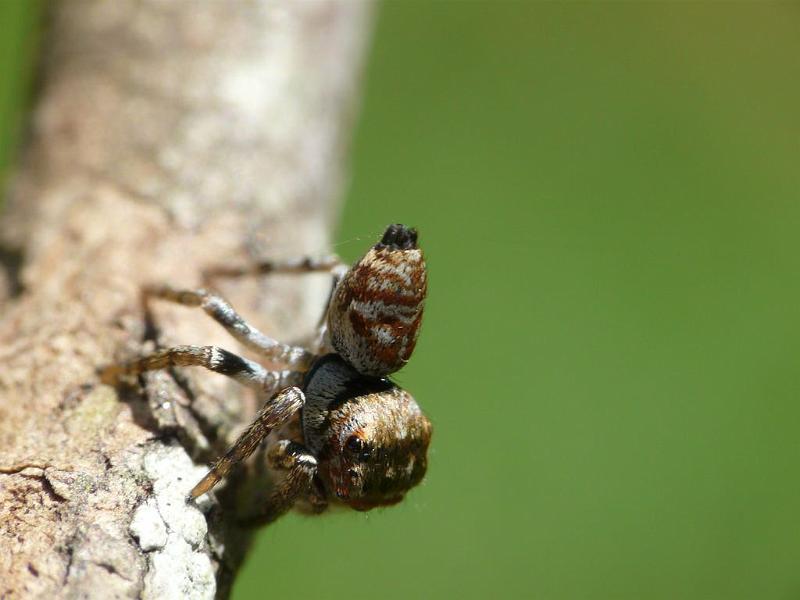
(608, 198)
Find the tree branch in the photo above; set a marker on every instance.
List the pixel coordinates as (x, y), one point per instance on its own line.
(168, 137)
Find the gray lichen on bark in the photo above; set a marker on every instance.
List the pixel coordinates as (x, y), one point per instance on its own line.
(167, 137)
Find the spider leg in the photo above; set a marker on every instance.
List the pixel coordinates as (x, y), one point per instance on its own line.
(321, 342)
(276, 411)
(223, 313)
(332, 264)
(303, 264)
(245, 371)
(300, 467)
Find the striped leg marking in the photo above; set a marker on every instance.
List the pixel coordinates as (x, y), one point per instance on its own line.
(246, 372)
(223, 313)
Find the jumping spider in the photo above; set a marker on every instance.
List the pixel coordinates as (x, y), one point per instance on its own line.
(337, 430)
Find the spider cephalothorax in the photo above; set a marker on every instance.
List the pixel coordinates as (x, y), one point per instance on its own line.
(337, 430)
(369, 435)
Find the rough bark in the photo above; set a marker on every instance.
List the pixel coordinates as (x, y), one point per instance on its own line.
(167, 137)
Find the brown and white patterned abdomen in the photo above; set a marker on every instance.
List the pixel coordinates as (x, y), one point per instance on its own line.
(376, 310)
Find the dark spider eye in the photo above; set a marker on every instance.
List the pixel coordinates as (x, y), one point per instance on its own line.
(359, 447)
(354, 444)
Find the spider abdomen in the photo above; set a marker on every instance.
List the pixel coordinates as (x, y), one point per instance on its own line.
(376, 311)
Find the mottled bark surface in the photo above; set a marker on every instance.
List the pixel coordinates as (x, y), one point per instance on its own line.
(167, 137)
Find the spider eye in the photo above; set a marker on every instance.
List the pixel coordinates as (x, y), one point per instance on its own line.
(354, 444)
(358, 447)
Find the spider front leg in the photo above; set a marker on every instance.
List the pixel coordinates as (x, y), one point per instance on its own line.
(277, 411)
(223, 313)
(299, 467)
